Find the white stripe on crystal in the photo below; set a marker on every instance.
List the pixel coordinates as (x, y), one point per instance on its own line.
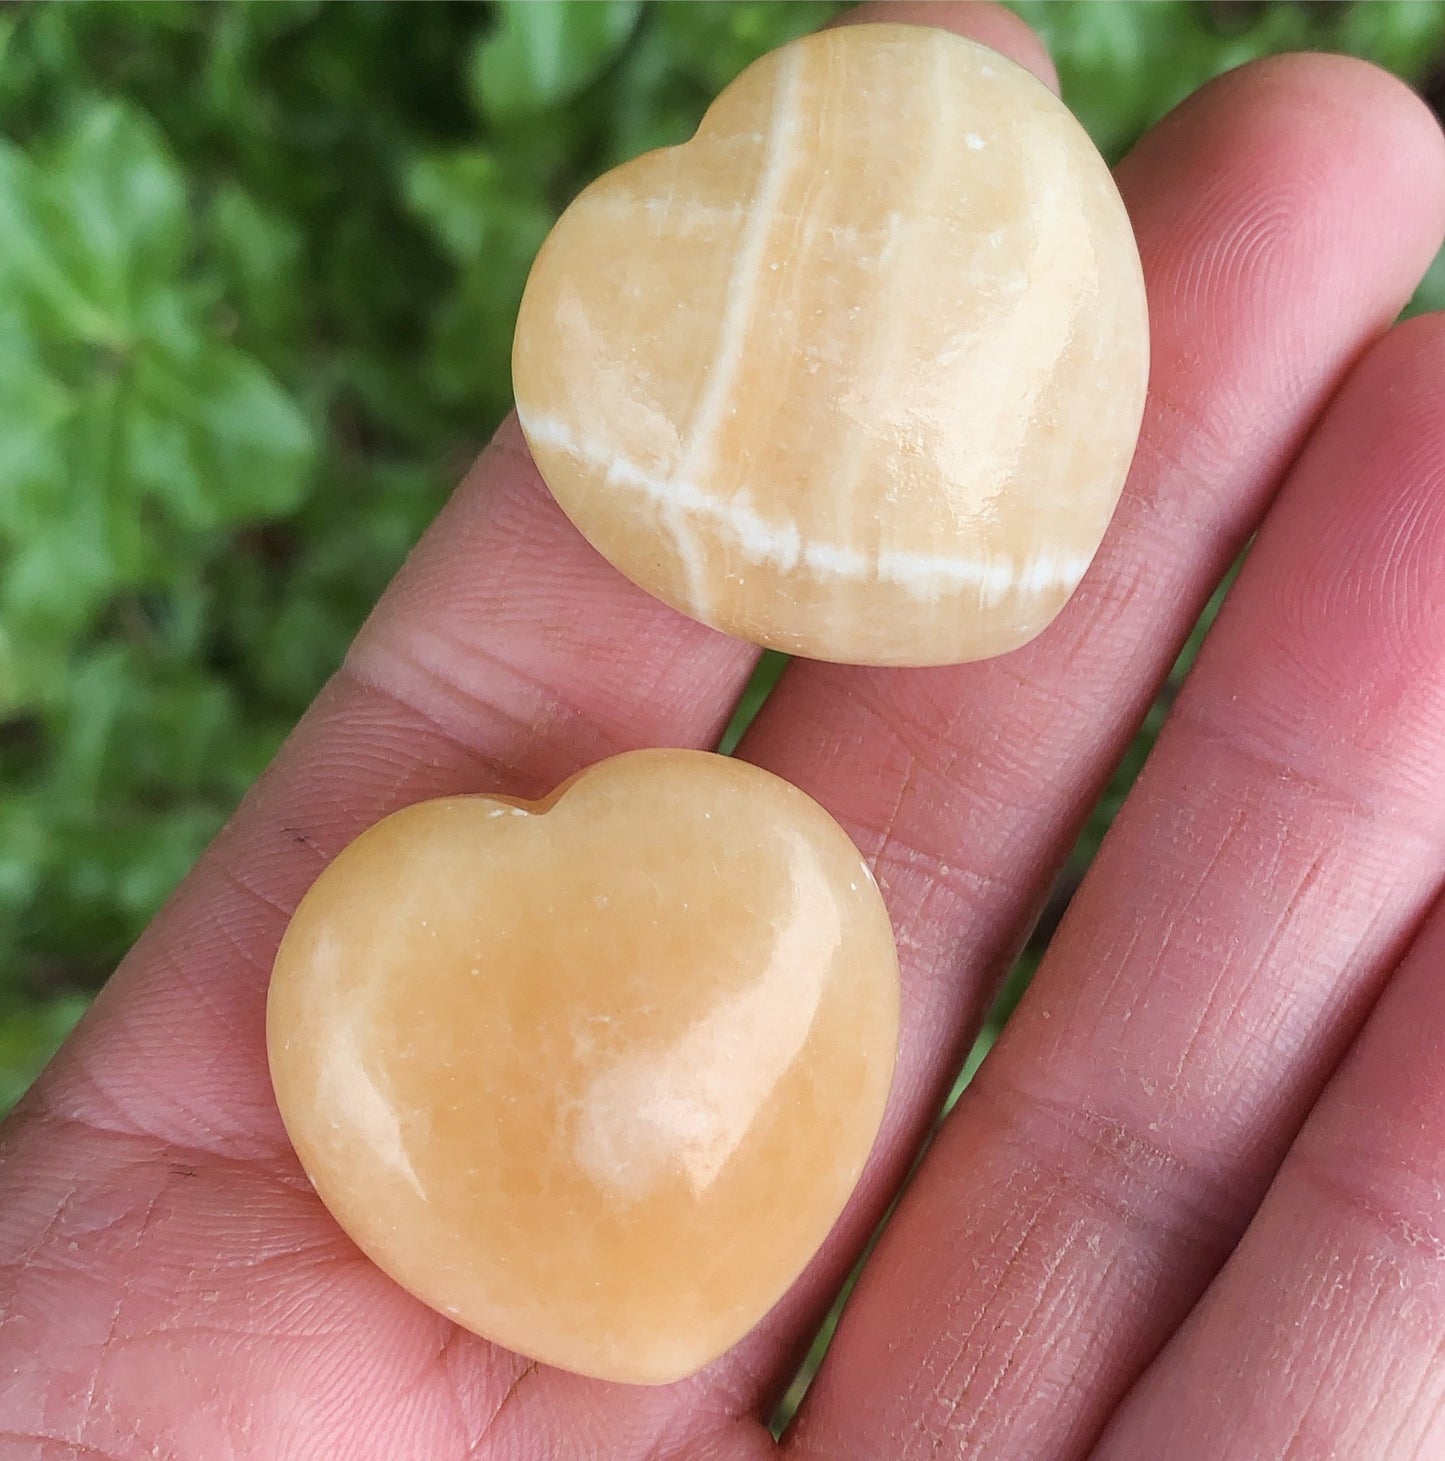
(741, 297)
(748, 267)
(783, 545)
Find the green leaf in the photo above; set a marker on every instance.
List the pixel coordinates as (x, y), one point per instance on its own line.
(1431, 293)
(213, 436)
(34, 408)
(492, 225)
(466, 198)
(259, 254)
(126, 199)
(1401, 35)
(543, 54)
(94, 226)
(35, 285)
(29, 1036)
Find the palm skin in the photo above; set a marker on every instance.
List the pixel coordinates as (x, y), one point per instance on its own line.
(1190, 1207)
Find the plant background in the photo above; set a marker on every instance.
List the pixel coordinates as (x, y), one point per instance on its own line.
(258, 269)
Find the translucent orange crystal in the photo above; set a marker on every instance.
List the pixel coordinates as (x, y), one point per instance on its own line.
(593, 1076)
(858, 371)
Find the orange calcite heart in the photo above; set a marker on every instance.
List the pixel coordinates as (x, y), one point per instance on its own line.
(593, 1075)
(858, 371)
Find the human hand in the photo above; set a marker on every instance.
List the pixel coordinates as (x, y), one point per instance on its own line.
(1121, 1243)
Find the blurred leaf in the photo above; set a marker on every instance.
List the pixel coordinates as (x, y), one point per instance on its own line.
(471, 204)
(87, 233)
(542, 55)
(214, 435)
(1402, 35)
(259, 257)
(29, 1036)
(1431, 293)
(34, 407)
(761, 684)
(124, 198)
(34, 284)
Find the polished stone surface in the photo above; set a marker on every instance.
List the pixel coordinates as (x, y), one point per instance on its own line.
(595, 1075)
(858, 371)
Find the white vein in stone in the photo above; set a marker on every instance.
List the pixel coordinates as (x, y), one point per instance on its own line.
(748, 266)
(717, 387)
(782, 545)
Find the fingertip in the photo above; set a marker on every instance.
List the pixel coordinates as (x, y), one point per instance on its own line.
(1406, 367)
(1317, 184)
(1388, 424)
(1359, 537)
(1305, 115)
(1384, 108)
(990, 25)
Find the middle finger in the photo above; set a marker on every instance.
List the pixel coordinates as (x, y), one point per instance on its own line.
(1284, 215)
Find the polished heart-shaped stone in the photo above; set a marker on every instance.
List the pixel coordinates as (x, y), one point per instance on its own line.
(858, 371)
(594, 1075)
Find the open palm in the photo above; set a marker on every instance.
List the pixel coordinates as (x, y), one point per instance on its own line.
(1165, 1220)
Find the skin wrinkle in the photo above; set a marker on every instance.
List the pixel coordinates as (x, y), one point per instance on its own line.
(1379, 942)
(1004, 1367)
(1395, 1442)
(1397, 1367)
(1344, 1342)
(1168, 934)
(388, 751)
(65, 1450)
(885, 834)
(117, 1106)
(945, 1387)
(487, 766)
(1218, 268)
(1177, 464)
(1226, 986)
(965, 887)
(1038, 1311)
(1372, 922)
(1003, 1352)
(932, 753)
(1415, 1229)
(534, 739)
(1134, 1161)
(1269, 766)
(482, 1440)
(174, 1182)
(88, 1415)
(281, 912)
(1370, 948)
(739, 1438)
(113, 1113)
(529, 544)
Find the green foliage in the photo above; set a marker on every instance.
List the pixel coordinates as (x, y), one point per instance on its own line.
(1123, 65)
(540, 56)
(259, 266)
